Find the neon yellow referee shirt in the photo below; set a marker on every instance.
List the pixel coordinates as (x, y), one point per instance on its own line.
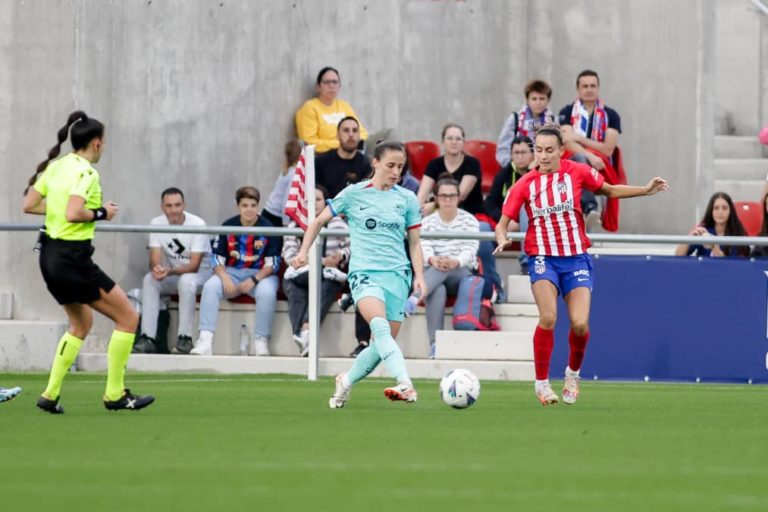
(69, 175)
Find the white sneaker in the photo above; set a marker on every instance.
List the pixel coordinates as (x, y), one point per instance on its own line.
(545, 394)
(302, 342)
(340, 395)
(401, 392)
(260, 346)
(203, 347)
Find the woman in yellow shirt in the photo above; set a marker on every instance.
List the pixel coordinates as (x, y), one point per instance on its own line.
(68, 193)
(317, 120)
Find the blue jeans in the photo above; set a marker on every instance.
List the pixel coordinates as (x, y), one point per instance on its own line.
(485, 253)
(265, 294)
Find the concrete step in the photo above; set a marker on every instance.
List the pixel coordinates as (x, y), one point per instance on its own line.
(478, 345)
(519, 290)
(738, 146)
(28, 345)
(417, 368)
(747, 169)
(741, 190)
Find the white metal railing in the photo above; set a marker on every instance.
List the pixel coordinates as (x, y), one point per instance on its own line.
(316, 259)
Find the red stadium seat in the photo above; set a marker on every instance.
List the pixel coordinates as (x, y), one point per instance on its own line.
(485, 151)
(420, 152)
(750, 214)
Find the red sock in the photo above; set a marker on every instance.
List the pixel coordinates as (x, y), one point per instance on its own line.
(578, 347)
(543, 342)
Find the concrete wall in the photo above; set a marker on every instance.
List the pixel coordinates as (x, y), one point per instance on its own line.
(201, 94)
(738, 60)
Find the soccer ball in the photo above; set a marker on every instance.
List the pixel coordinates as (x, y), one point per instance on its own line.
(459, 388)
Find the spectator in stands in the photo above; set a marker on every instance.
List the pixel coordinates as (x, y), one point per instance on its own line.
(242, 264)
(720, 219)
(465, 169)
(522, 159)
(274, 210)
(296, 282)
(534, 114)
(346, 165)
(591, 134)
(179, 263)
(761, 251)
(318, 119)
(447, 261)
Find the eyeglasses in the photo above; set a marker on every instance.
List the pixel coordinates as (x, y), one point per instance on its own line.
(448, 196)
(329, 82)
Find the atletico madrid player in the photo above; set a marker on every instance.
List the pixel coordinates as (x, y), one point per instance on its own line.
(556, 243)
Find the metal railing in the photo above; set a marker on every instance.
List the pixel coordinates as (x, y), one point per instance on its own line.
(316, 257)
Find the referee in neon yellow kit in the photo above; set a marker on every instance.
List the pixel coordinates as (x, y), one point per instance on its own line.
(68, 193)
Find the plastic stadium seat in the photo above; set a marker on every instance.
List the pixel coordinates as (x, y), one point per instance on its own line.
(420, 152)
(750, 214)
(485, 151)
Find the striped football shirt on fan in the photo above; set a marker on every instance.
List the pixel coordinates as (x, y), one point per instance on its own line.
(553, 204)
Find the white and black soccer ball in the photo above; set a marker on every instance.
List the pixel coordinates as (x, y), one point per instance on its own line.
(460, 388)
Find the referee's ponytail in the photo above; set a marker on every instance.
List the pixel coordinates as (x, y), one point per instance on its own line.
(85, 129)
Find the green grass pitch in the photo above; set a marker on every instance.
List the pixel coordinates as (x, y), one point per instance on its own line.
(266, 443)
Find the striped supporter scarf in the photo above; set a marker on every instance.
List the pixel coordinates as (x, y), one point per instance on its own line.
(580, 120)
(528, 124)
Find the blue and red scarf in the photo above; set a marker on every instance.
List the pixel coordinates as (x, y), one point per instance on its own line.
(528, 124)
(580, 120)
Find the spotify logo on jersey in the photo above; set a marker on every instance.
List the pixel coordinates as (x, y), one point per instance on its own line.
(370, 223)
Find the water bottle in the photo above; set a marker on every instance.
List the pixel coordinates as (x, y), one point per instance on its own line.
(244, 340)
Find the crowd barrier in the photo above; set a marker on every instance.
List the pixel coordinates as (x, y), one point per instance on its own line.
(652, 317)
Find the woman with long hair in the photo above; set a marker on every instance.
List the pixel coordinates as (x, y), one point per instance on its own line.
(380, 215)
(556, 244)
(720, 219)
(68, 193)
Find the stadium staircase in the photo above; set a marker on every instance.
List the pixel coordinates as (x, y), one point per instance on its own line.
(741, 166)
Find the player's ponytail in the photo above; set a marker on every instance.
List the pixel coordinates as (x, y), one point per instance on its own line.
(84, 130)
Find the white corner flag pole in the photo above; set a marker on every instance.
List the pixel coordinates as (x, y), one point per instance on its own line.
(315, 265)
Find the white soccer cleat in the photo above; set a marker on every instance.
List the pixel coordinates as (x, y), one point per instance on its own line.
(8, 394)
(203, 347)
(260, 346)
(571, 388)
(545, 395)
(401, 392)
(340, 395)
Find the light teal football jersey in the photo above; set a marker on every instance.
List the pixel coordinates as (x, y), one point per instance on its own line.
(378, 222)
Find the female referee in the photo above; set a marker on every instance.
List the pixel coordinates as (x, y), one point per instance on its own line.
(68, 193)
(380, 213)
(557, 244)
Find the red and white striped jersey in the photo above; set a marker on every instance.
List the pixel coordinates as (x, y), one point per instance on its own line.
(553, 204)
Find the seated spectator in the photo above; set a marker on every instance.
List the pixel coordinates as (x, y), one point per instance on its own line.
(274, 210)
(591, 132)
(761, 251)
(242, 264)
(720, 219)
(318, 119)
(179, 263)
(465, 169)
(522, 159)
(447, 261)
(296, 282)
(534, 114)
(345, 165)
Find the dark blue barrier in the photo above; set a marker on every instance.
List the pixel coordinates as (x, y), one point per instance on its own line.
(673, 318)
